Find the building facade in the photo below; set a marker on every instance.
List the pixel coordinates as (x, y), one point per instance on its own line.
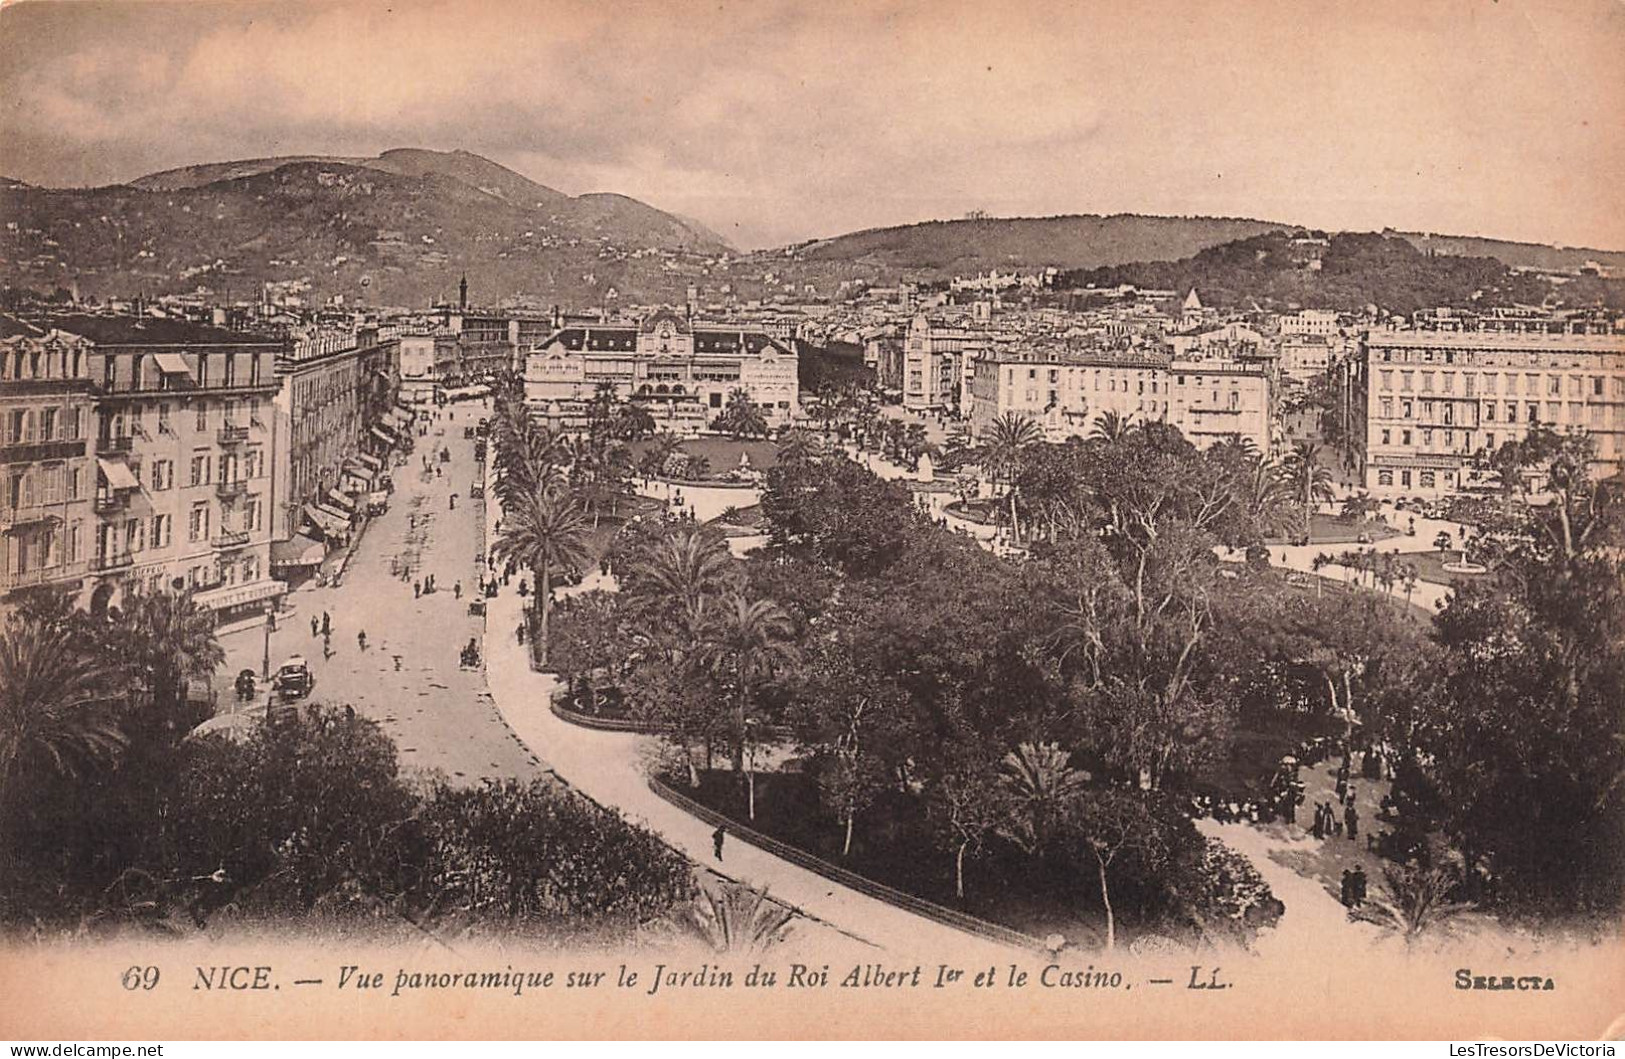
(335, 404)
(1435, 395)
(47, 508)
(682, 371)
(182, 495)
(1068, 394)
(937, 359)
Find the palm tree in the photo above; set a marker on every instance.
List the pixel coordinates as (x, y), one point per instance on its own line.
(171, 641)
(733, 918)
(745, 643)
(741, 417)
(636, 421)
(661, 447)
(55, 707)
(548, 533)
(690, 566)
(1311, 481)
(1112, 427)
(1007, 440)
(798, 446)
(1041, 779)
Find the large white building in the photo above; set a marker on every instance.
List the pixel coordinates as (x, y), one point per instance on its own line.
(1433, 396)
(683, 371)
(1067, 394)
(937, 358)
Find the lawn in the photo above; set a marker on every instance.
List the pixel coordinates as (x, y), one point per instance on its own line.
(1329, 529)
(1430, 567)
(723, 453)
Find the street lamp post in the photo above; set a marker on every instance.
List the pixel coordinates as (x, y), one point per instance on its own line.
(270, 627)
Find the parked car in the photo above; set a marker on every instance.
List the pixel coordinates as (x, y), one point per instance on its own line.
(293, 679)
(476, 488)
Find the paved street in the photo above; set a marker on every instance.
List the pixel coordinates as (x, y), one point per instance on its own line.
(440, 715)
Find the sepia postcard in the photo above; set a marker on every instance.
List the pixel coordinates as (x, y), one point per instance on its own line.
(773, 520)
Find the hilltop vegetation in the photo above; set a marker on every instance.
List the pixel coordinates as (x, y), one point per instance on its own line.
(1354, 270)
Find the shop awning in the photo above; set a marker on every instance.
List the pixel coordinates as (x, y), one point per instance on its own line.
(330, 524)
(383, 437)
(402, 416)
(118, 475)
(335, 513)
(237, 595)
(342, 502)
(300, 551)
(354, 467)
(171, 364)
(371, 461)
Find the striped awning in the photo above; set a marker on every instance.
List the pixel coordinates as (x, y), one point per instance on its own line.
(342, 502)
(330, 523)
(300, 551)
(383, 437)
(171, 364)
(370, 460)
(118, 475)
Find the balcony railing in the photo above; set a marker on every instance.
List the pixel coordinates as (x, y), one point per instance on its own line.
(231, 538)
(231, 490)
(111, 445)
(116, 561)
(230, 435)
(107, 503)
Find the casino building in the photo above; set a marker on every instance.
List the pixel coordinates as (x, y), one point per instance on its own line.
(683, 371)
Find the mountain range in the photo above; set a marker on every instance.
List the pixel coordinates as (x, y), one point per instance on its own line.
(402, 228)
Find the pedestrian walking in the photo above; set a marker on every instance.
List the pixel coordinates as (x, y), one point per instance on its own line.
(457, 590)
(1346, 889)
(315, 627)
(1351, 822)
(327, 624)
(1357, 884)
(716, 840)
(361, 639)
(417, 589)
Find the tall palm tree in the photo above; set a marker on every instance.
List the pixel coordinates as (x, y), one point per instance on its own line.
(746, 641)
(799, 446)
(171, 641)
(1007, 440)
(1311, 480)
(1266, 494)
(660, 449)
(687, 566)
(56, 707)
(548, 533)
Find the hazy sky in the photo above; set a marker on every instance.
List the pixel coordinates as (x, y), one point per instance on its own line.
(777, 121)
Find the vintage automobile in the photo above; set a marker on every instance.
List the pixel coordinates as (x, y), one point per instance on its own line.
(476, 488)
(293, 679)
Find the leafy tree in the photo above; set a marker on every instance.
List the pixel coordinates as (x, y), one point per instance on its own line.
(733, 919)
(1527, 744)
(837, 513)
(1041, 784)
(965, 805)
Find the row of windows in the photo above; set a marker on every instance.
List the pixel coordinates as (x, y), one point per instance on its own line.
(1445, 412)
(144, 373)
(29, 485)
(1532, 383)
(120, 421)
(35, 362)
(26, 426)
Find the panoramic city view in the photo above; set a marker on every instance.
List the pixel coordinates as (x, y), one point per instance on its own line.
(397, 550)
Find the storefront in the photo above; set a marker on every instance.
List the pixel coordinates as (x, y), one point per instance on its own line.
(239, 604)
